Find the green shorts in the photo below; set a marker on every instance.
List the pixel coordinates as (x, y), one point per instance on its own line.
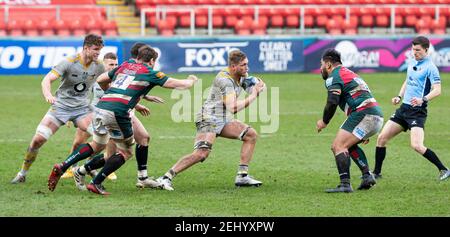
(363, 125)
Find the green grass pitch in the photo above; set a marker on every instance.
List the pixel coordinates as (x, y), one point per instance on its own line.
(295, 163)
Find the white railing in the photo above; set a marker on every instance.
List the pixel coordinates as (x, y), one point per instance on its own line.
(161, 11)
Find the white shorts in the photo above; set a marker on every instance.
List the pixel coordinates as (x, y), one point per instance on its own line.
(107, 124)
(61, 116)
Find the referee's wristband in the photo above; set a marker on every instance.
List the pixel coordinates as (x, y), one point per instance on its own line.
(399, 96)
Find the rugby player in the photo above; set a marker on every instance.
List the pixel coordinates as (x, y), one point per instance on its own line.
(351, 93)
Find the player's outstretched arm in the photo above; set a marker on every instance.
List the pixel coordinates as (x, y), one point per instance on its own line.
(46, 85)
(154, 99)
(187, 83)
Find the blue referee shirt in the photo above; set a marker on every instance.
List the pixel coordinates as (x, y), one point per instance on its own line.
(419, 78)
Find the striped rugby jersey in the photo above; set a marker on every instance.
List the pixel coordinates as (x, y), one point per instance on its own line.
(354, 93)
(130, 81)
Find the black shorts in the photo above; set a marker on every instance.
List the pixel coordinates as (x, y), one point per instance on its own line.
(408, 116)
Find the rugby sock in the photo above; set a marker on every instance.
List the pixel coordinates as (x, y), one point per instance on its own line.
(96, 162)
(358, 156)
(141, 157)
(432, 157)
(243, 170)
(111, 165)
(82, 152)
(343, 166)
(30, 157)
(380, 154)
(170, 174)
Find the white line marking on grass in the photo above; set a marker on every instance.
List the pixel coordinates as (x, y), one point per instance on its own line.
(176, 137)
(12, 140)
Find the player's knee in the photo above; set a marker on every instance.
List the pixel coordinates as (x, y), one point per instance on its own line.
(76, 144)
(96, 147)
(382, 140)
(39, 140)
(43, 133)
(337, 148)
(251, 135)
(200, 155)
(128, 154)
(144, 141)
(418, 147)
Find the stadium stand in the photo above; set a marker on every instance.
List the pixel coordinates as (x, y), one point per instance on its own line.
(259, 17)
(60, 18)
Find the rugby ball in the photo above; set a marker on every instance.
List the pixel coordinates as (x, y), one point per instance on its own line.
(248, 83)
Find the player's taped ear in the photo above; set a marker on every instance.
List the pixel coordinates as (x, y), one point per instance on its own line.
(243, 133)
(44, 131)
(203, 145)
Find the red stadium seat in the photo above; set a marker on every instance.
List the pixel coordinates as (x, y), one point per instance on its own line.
(111, 33)
(411, 20)
(263, 21)
(45, 28)
(185, 20)
(61, 27)
(285, 16)
(276, 21)
(201, 21)
(151, 19)
(231, 21)
(367, 21)
(217, 21)
(258, 28)
(333, 27)
(23, 13)
(109, 25)
(30, 28)
(166, 24)
(309, 21)
(73, 2)
(382, 21)
(93, 25)
(85, 13)
(338, 18)
(77, 25)
(349, 30)
(321, 20)
(15, 27)
(292, 21)
(399, 22)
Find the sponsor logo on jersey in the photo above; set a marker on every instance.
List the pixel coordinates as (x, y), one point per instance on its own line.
(329, 81)
(160, 75)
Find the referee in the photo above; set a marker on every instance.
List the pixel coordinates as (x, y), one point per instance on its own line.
(422, 85)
